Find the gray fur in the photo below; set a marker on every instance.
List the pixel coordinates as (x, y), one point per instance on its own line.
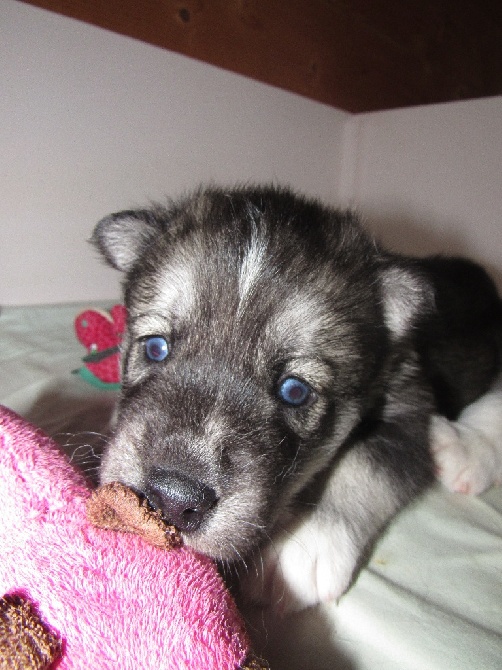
(249, 287)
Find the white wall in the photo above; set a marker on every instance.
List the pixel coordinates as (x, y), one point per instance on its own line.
(92, 122)
(429, 179)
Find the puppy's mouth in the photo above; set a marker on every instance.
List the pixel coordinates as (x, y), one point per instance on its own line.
(184, 502)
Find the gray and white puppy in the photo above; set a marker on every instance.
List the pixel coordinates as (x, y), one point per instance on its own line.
(280, 371)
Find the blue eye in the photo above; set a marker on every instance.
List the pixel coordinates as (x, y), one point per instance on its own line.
(294, 392)
(156, 349)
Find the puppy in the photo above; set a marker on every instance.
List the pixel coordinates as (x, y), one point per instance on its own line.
(280, 373)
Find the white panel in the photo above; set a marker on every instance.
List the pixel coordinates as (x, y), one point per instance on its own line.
(92, 122)
(429, 179)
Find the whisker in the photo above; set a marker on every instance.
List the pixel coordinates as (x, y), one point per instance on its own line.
(239, 555)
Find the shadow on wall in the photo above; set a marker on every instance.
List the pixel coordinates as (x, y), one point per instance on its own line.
(421, 237)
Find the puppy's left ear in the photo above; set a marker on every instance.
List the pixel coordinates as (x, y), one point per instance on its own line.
(123, 237)
(407, 296)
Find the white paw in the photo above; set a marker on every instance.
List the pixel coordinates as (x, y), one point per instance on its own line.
(466, 460)
(310, 563)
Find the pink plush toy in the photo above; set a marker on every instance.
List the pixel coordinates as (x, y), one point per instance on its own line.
(100, 599)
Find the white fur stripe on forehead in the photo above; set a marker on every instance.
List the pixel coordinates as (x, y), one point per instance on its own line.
(252, 265)
(404, 296)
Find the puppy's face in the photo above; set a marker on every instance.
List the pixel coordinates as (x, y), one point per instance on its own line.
(255, 338)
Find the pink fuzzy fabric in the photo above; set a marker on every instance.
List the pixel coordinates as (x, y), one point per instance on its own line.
(117, 602)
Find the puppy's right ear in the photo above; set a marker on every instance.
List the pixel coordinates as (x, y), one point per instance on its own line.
(123, 237)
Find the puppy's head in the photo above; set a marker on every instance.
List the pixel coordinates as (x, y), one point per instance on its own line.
(256, 335)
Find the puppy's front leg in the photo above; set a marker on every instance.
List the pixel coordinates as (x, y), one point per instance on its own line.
(313, 559)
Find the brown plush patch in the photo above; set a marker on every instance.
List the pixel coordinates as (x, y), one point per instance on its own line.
(117, 507)
(26, 643)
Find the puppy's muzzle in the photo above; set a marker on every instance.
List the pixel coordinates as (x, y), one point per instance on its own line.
(184, 501)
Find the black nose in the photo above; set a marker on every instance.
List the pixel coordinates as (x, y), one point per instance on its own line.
(183, 501)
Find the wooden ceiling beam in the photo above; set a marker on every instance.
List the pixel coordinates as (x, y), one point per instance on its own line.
(357, 55)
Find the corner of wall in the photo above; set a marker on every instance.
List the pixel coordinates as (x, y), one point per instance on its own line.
(347, 185)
